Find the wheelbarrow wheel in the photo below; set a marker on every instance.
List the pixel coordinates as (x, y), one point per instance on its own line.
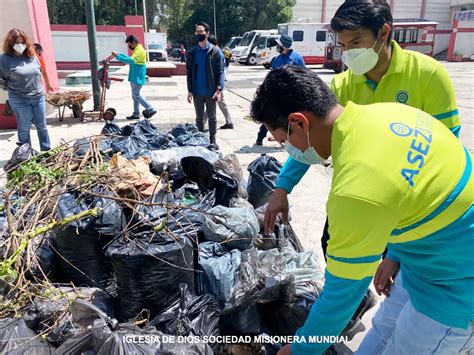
(77, 111)
(109, 114)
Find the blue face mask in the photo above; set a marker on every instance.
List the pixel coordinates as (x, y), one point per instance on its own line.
(308, 157)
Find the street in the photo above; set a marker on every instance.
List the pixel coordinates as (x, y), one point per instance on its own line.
(168, 96)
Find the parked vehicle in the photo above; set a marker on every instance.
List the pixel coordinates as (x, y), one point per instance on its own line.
(245, 52)
(156, 45)
(309, 39)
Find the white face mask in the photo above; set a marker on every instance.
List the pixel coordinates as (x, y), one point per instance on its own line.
(361, 60)
(308, 157)
(19, 48)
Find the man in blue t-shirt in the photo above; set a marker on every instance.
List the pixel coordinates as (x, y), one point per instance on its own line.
(287, 56)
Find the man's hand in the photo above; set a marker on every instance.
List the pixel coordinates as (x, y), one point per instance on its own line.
(114, 54)
(217, 96)
(49, 88)
(190, 97)
(278, 203)
(385, 275)
(286, 350)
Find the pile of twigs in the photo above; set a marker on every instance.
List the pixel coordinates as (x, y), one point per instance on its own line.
(68, 97)
(33, 190)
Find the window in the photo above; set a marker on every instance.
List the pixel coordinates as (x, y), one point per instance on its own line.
(298, 36)
(272, 42)
(260, 42)
(321, 36)
(283, 29)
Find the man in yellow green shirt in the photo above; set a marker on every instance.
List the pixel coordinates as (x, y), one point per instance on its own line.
(401, 181)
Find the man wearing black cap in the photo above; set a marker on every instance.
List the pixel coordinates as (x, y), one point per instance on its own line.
(286, 56)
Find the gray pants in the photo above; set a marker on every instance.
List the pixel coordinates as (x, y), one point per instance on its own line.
(210, 105)
(224, 109)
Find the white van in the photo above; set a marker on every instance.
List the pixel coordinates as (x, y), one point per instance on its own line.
(245, 52)
(309, 39)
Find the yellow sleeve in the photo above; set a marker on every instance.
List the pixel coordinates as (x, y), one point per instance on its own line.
(139, 56)
(440, 100)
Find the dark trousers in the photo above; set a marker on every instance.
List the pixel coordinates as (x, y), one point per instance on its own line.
(210, 104)
(262, 133)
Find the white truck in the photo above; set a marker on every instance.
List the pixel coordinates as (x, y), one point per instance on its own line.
(309, 39)
(156, 46)
(247, 51)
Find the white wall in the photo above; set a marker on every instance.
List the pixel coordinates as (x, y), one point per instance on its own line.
(465, 41)
(73, 46)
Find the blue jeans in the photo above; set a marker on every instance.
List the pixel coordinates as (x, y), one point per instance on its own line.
(27, 111)
(138, 99)
(399, 329)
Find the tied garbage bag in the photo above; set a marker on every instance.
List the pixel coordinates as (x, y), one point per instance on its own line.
(148, 268)
(80, 245)
(189, 135)
(21, 154)
(130, 175)
(16, 339)
(230, 166)
(54, 315)
(191, 315)
(263, 177)
(162, 141)
(235, 228)
(111, 129)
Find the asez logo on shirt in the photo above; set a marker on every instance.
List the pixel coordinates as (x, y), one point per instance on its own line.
(402, 97)
(419, 146)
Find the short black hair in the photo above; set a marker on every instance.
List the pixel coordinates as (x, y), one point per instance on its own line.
(213, 40)
(368, 14)
(287, 90)
(38, 47)
(131, 39)
(207, 28)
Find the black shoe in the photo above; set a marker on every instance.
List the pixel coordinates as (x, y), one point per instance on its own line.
(148, 113)
(259, 143)
(369, 301)
(213, 146)
(227, 126)
(133, 117)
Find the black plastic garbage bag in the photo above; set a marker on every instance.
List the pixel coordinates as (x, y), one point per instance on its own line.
(55, 317)
(235, 228)
(262, 179)
(244, 318)
(44, 260)
(148, 268)
(219, 270)
(131, 147)
(191, 315)
(201, 170)
(145, 128)
(80, 245)
(189, 135)
(111, 129)
(82, 145)
(105, 338)
(162, 141)
(17, 339)
(21, 154)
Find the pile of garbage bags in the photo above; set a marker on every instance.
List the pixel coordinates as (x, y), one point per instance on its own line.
(191, 260)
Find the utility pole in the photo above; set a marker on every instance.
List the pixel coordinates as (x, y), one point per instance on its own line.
(146, 30)
(91, 35)
(215, 26)
(136, 8)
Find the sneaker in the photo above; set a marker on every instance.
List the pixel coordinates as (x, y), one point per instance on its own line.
(228, 126)
(148, 113)
(259, 143)
(133, 117)
(213, 146)
(369, 301)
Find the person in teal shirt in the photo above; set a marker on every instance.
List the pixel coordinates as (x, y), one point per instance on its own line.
(136, 76)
